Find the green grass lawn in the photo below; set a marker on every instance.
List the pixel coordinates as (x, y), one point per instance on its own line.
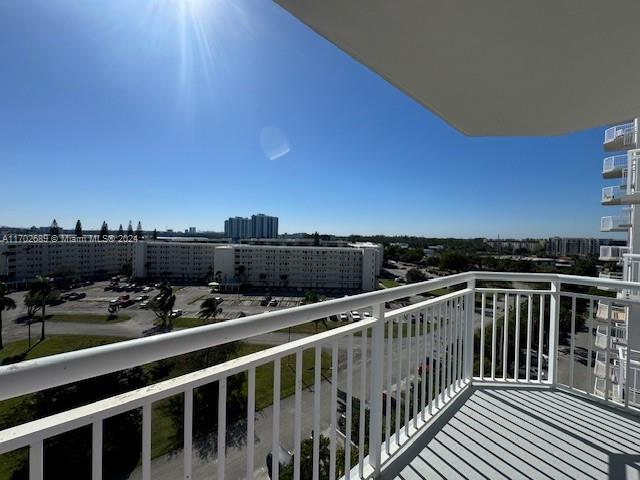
(11, 410)
(189, 322)
(87, 318)
(388, 283)
(52, 345)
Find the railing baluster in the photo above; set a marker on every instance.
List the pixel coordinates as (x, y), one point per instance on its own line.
(347, 428)
(316, 409)
(573, 341)
(432, 360)
(275, 428)
(554, 332)
(416, 374)
(454, 349)
(505, 339)
(251, 417)
(452, 312)
(482, 306)
(440, 355)
(334, 408)
(529, 328)
(187, 451)
(36, 467)
(407, 380)
(516, 353)
(590, 384)
(399, 380)
(389, 371)
(96, 449)
(146, 441)
(493, 336)
(297, 420)
(444, 388)
(377, 382)
(222, 425)
(540, 337)
(363, 397)
(607, 357)
(423, 366)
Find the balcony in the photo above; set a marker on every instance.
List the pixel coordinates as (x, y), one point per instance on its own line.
(613, 253)
(479, 382)
(613, 166)
(618, 312)
(620, 137)
(619, 223)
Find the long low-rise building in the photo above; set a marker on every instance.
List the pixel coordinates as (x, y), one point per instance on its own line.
(354, 266)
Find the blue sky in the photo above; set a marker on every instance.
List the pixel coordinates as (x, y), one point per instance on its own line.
(184, 112)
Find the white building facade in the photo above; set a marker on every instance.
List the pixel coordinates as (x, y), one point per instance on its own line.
(352, 267)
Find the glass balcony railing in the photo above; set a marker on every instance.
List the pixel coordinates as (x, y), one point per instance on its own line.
(611, 253)
(620, 137)
(613, 195)
(613, 165)
(615, 223)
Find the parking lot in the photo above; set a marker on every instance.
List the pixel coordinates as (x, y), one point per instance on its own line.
(93, 301)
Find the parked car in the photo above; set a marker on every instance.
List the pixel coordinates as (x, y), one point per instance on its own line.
(141, 298)
(355, 316)
(264, 302)
(77, 296)
(218, 299)
(108, 287)
(334, 318)
(115, 301)
(144, 304)
(343, 317)
(124, 297)
(273, 303)
(147, 289)
(176, 313)
(366, 315)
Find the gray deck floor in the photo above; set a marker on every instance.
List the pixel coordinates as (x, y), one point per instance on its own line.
(513, 433)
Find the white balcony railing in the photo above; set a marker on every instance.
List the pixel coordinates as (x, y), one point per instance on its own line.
(616, 223)
(613, 253)
(620, 137)
(612, 166)
(401, 367)
(617, 313)
(613, 195)
(618, 336)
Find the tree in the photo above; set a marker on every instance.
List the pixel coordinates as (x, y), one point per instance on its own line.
(414, 276)
(120, 231)
(6, 303)
(139, 230)
(104, 230)
(452, 260)
(42, 288)
(54, 229)
(155, 234)
(306, 460)
(127, 268)
(130, 229)
(316, 239)
(162, 304)
(210, 308)
(78, 229)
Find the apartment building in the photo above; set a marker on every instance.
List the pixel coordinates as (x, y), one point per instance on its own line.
(567, 246)
(621, 262)
(258, 226)
(351, 266)
(25, 260)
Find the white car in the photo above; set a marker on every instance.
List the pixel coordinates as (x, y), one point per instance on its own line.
(366, 315)
(355, 316)
(343, 317)
(176, 313)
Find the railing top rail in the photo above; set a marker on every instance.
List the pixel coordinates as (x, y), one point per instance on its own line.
(38, 374)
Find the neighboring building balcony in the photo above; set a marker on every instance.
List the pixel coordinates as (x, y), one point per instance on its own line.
(618, 312)
(479, 382)
(613, 253)
(620, 137)
(610, 337)
(617, 223)
(614, 166)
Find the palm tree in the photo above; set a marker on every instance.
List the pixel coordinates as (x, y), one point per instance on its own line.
(6, 303)
(162, 304)
(209, 308)
(42, 288)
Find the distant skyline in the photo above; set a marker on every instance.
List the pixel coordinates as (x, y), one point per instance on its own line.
(182, 114)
